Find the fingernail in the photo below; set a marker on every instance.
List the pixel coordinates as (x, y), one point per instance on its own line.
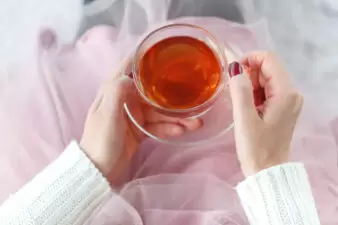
(259, 96)
(234, 69)
(130, 75)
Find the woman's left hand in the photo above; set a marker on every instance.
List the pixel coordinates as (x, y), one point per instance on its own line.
(109, 138)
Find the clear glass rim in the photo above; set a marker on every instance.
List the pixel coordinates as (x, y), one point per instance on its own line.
(219, 54)
(173, 142)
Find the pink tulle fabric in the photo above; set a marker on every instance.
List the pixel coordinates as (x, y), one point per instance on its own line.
(169, 185)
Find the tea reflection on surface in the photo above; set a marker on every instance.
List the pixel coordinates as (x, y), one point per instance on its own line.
(179, 72)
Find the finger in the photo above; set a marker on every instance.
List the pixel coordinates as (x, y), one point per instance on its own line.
(270, 70)
(241, 91)
(152, 116)
(113, 82)
(191, 124)
(258, 85)
(259, 97)
(97, 101)
(257, 59)
(115, 94)
(123, 70)
(254, 75)
(287, 110)
(165, 130)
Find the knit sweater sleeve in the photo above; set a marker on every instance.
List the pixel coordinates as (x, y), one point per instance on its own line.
(64, 193)
(279, 195)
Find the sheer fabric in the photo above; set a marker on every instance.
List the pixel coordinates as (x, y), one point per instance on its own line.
(46, 92)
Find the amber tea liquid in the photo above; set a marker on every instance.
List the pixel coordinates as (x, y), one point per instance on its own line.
(179, 72)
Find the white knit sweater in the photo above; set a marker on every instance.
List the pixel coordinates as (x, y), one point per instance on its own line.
(71, 188)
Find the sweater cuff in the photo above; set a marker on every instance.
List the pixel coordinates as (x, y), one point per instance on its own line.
(66, 192)
(279, 195)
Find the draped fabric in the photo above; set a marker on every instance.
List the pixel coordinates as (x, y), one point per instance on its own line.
(50, 76)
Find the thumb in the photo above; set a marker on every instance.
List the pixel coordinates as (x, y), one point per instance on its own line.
(241, 90)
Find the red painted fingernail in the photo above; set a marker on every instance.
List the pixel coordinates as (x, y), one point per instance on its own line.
(235, 68)
(259, 96)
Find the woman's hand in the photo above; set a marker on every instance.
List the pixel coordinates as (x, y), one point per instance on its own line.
(263, 134)
(109, 138)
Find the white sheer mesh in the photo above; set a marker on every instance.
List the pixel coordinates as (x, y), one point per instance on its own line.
(46, 92)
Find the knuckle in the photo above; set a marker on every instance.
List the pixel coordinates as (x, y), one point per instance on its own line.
(115, 84)
(295, 99)
(268, 54)
(300, 99)
(296, 95)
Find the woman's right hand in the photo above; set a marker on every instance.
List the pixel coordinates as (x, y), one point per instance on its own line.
(263, 134)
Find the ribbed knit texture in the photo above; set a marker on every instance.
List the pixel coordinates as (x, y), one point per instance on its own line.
(69, 190)
(66, 192)
(279, 195)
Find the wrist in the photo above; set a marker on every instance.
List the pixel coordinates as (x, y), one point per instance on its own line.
(256, 168)
(101, 163)
(110, 166)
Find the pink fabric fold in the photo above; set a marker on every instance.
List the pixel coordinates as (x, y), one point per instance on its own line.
(44, 110)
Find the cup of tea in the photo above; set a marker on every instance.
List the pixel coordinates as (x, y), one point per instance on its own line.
(180, 70)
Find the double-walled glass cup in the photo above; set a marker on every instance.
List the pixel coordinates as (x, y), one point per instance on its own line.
(215, 112)
(187, 30)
